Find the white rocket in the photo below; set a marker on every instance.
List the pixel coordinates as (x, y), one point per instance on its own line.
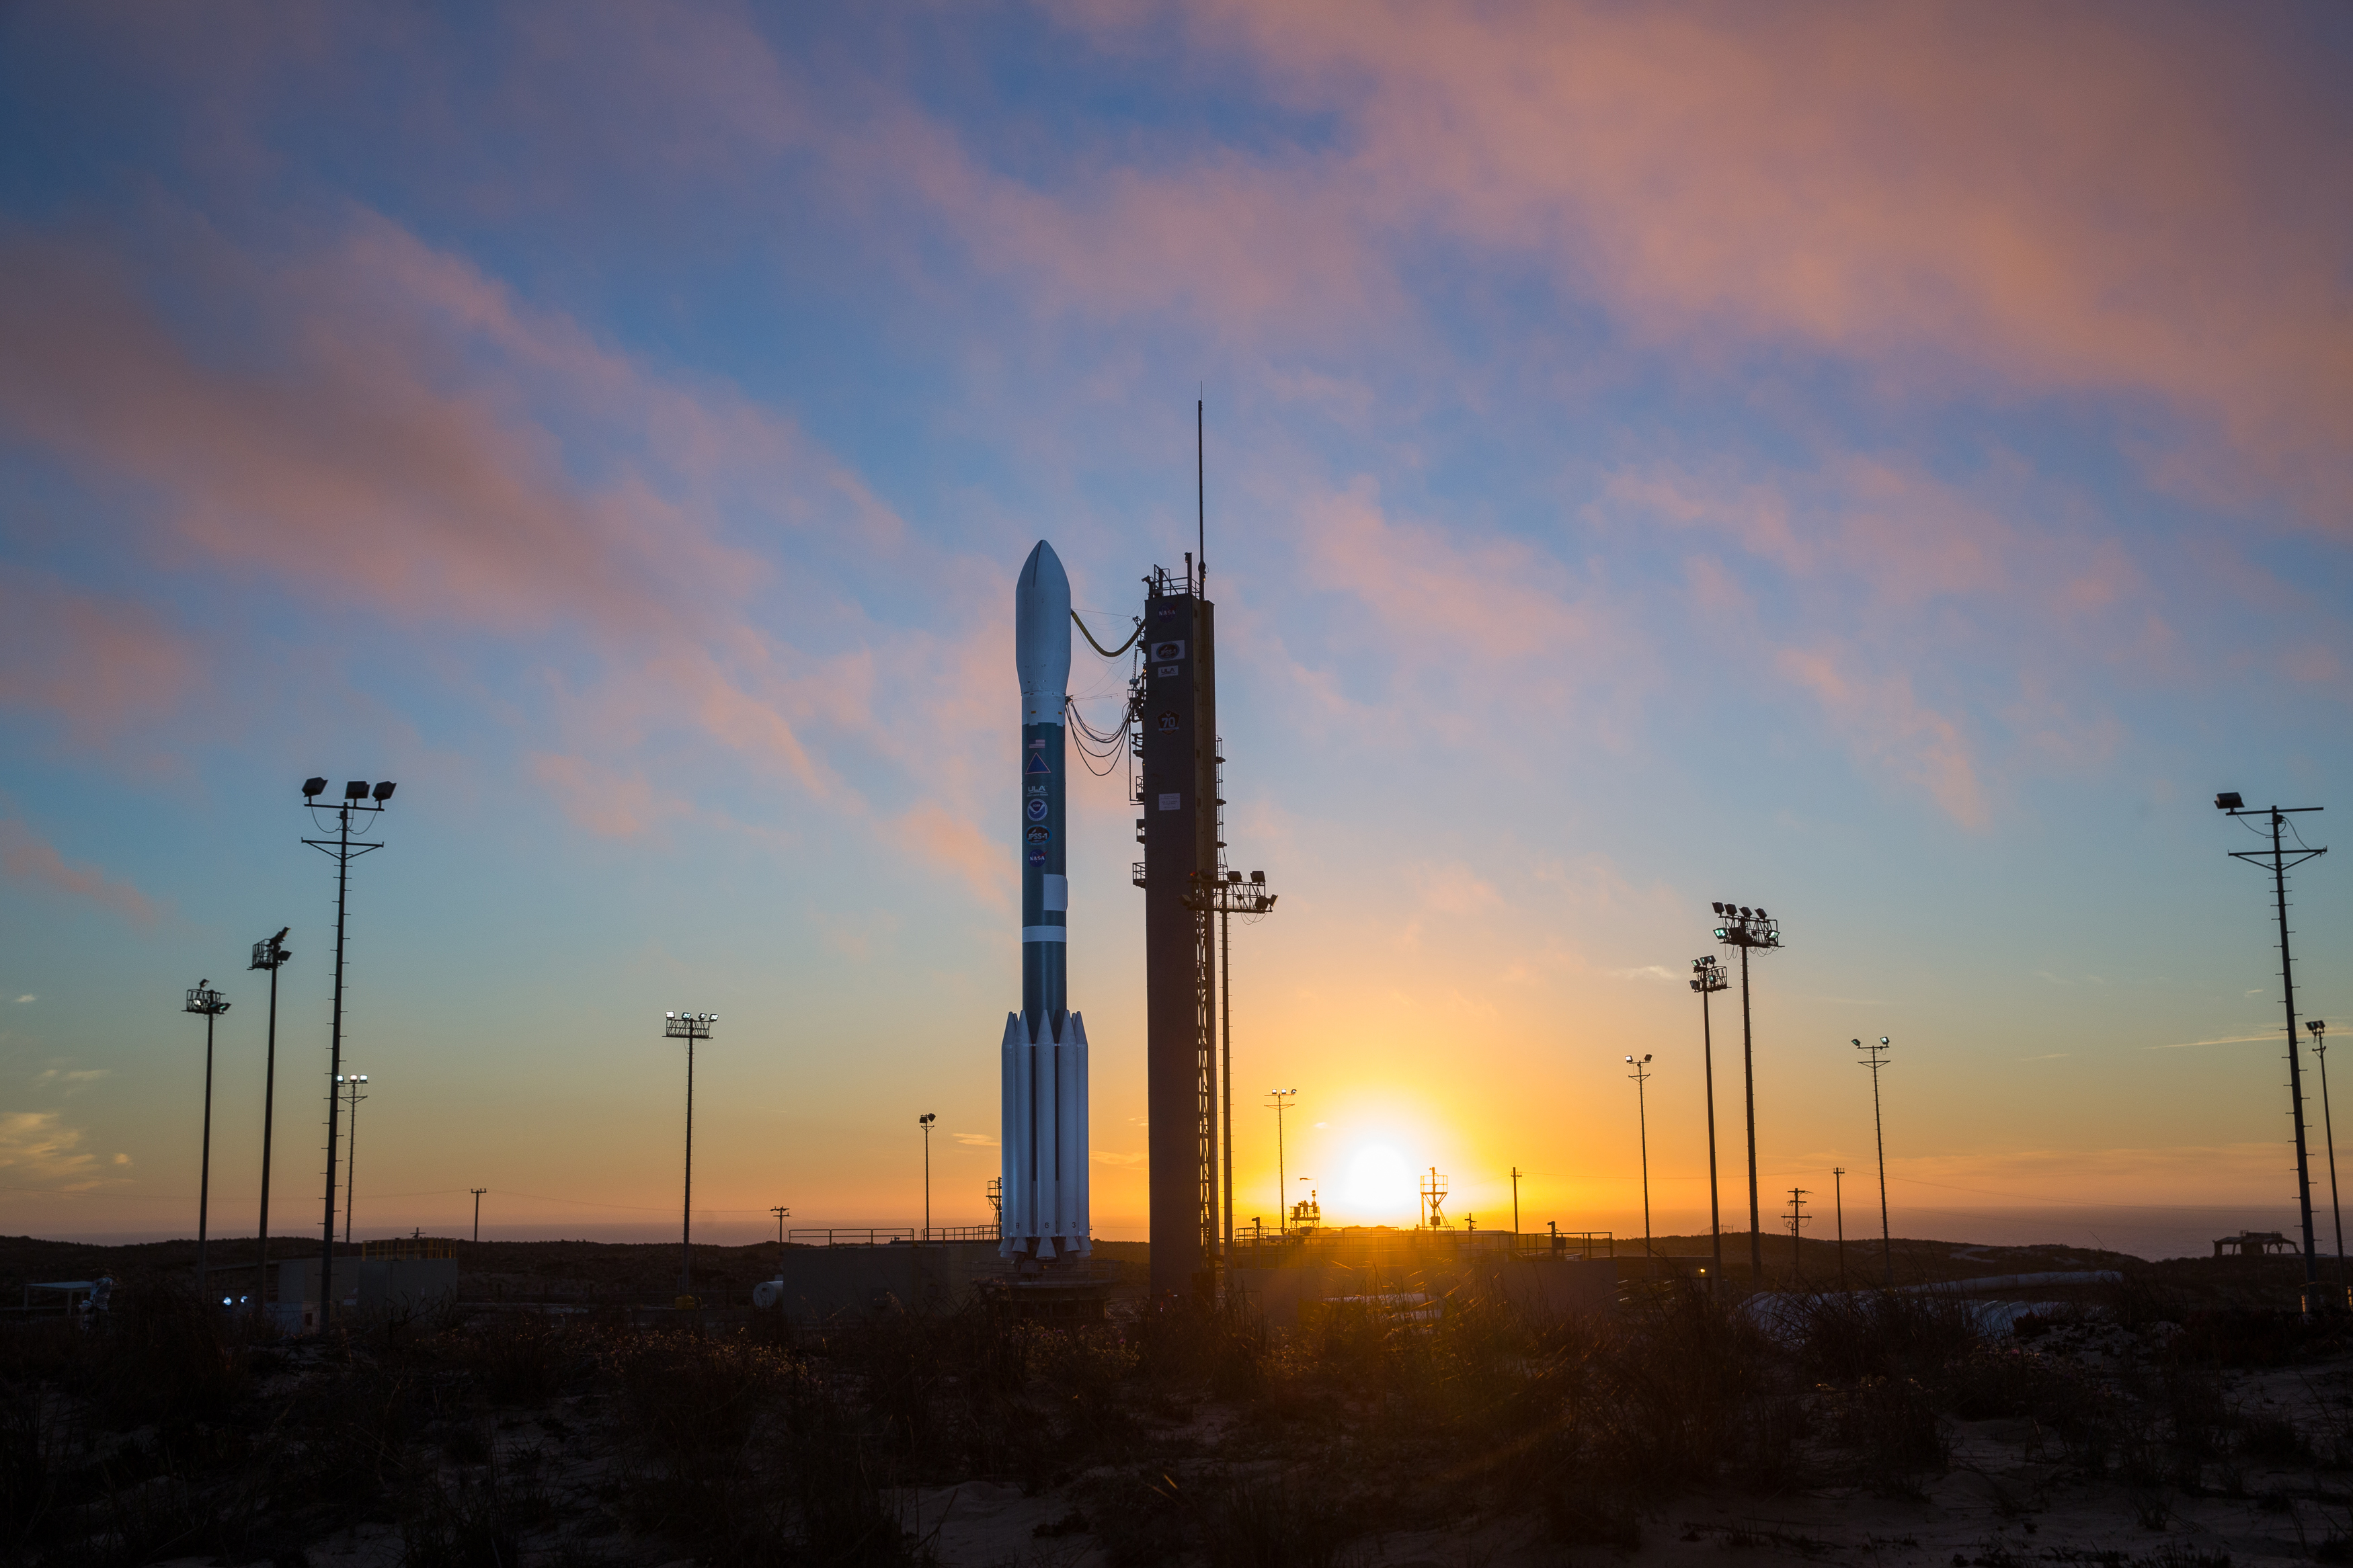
(1044, 1132)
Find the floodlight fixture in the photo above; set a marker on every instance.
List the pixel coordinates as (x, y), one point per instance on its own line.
(2230, 800)
(357, 789)
(311, 788)
(1259, 877)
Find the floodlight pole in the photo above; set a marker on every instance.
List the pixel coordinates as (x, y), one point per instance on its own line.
(478, 1192)
(1641, 1075)
(1280, 1099)
(1744, 929)
(924, 1122)
(1515, 1206)
(345, 851)
(2320, 1028)
(1708, 978)
(350, 1086)
(690, 1027)
(203, 999)
(1875, 1058)
(2281, 858)
(268, 955)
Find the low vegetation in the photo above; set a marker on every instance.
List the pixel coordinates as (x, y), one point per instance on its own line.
(510, 1435)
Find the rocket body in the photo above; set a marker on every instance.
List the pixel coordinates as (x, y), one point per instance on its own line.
(1044, 1133)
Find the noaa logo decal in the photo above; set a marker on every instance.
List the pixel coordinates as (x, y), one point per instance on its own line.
(1037, 810)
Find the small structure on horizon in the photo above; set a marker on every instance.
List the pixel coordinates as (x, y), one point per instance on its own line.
(2253, 1244)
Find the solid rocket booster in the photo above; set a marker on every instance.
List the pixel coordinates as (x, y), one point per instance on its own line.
(1044, 1133)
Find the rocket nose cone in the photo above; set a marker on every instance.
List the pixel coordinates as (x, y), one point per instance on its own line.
(1041, 631)
(1044, 569)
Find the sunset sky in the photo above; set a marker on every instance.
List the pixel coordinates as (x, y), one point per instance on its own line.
(1887, 463)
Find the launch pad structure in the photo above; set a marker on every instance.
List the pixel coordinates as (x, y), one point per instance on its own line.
(1179, 822)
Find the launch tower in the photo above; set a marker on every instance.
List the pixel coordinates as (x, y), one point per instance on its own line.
(1178, 822)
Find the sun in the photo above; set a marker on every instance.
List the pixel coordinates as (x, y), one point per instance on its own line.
(1380, 1184)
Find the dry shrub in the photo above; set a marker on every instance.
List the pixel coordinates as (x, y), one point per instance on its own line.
(1893, 1427)
(516, 1358)
(1883, 1333)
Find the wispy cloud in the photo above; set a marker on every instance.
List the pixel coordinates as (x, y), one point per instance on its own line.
(2219, 1041)
(26, 857)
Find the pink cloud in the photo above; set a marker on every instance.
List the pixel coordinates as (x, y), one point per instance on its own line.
(941, 838)
(2099, 200)
(28, 857)
(100, 666)
(1886, 723)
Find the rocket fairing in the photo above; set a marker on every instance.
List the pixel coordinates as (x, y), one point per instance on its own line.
(1044, 1132)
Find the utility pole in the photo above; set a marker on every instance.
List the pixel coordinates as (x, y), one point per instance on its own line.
(1838, 1198)
(1708, 978)
(1641, 1075)
(1875, 1057)
(1796, 1218)
(2281, 857)
(2320, 1028)
(690, 1027)
(478, 1192)
(780, 1211)
(267, 954)
(1745, 929)
(1280, 1101)
(1515, 1206)
(357, 798)
(203, 998)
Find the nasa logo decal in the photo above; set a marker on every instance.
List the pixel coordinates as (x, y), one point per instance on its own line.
(1036, 856)
(1166, 650)
(1037, 811)
(1038, 835)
